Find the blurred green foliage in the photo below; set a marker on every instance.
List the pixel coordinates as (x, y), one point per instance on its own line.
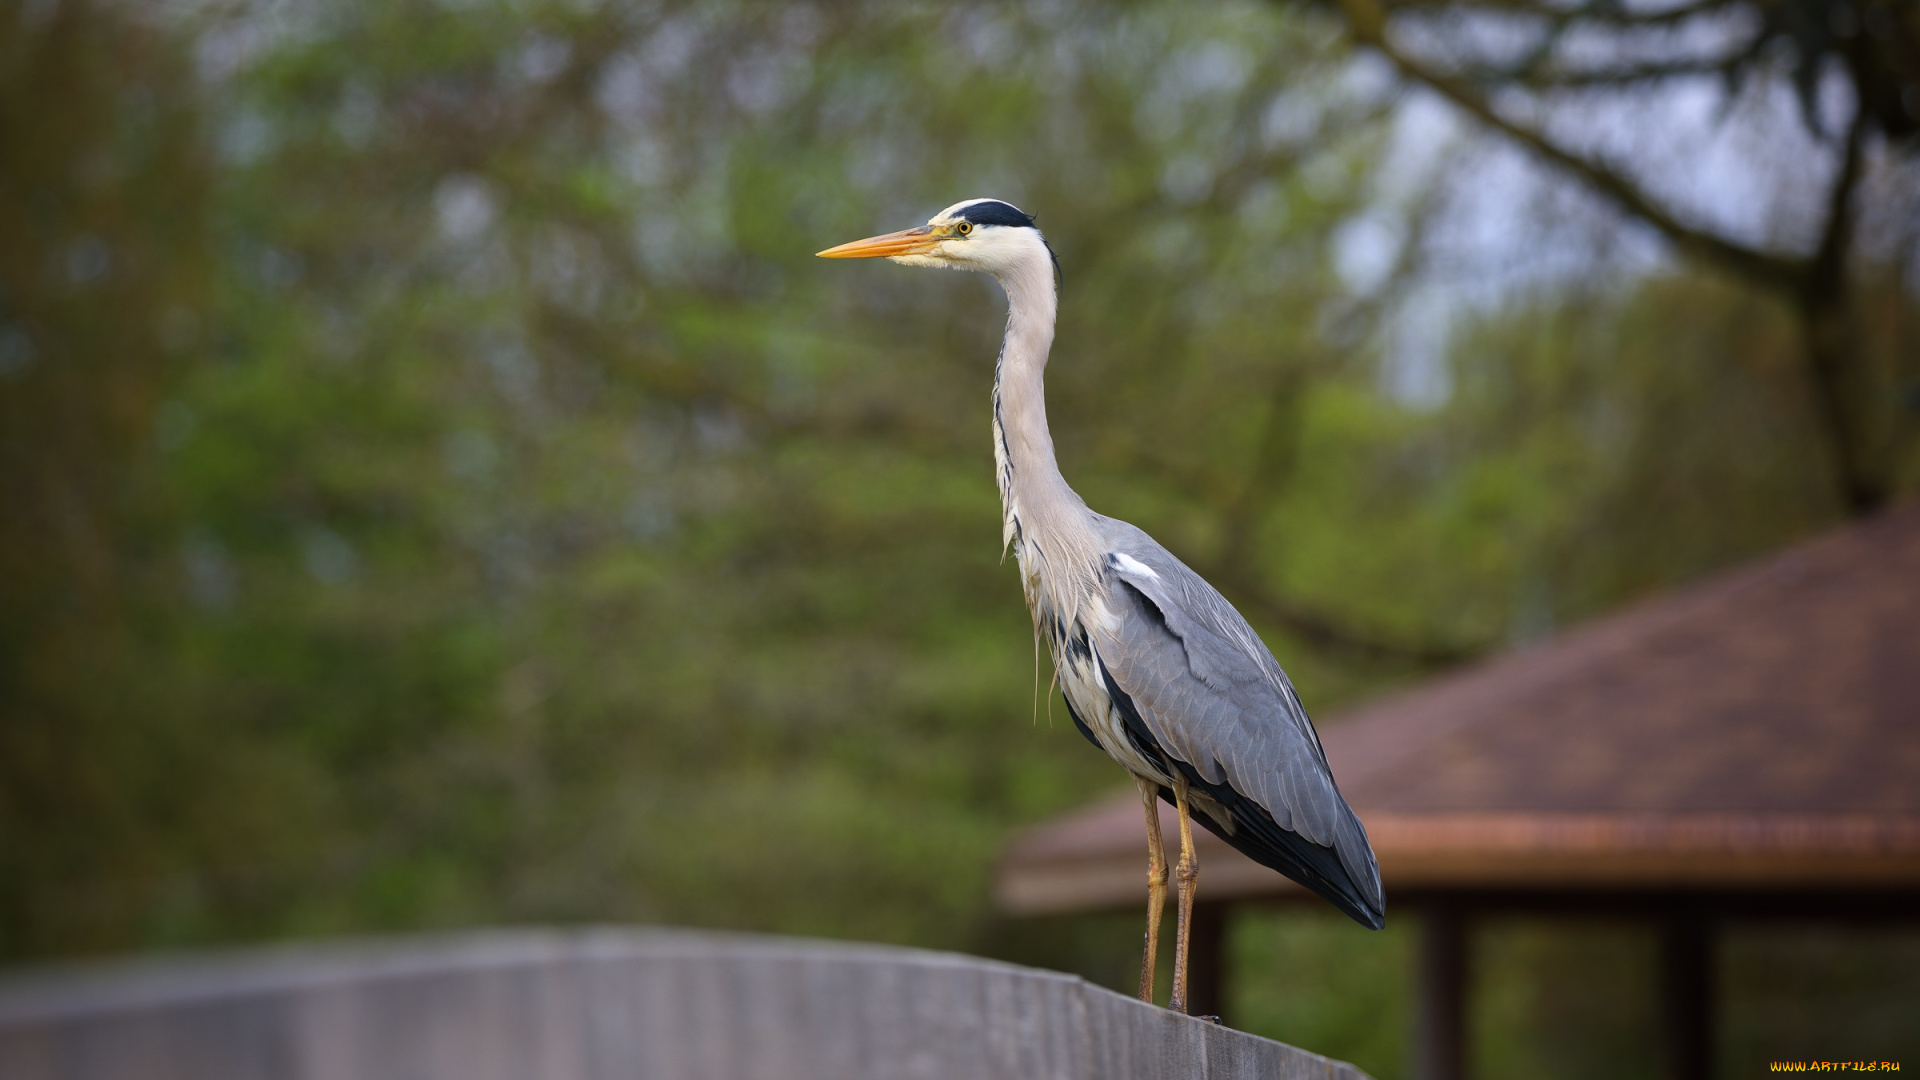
(442, 488)
(1299, 976)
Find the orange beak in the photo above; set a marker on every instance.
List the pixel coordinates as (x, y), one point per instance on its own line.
(905, 242)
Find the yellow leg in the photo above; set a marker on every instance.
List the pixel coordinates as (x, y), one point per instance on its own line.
(1186, 880)
(1156, 885)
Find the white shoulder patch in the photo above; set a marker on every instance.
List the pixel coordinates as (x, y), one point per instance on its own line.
(1133, 566)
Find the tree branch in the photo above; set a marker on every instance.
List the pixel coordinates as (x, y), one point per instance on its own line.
(1727, 67)
(1607, 15)
(1620, 76)
(1367, 21)
(1829, 260)
(1831, 338)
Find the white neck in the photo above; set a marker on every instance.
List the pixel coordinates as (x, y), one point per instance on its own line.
(1046, 524)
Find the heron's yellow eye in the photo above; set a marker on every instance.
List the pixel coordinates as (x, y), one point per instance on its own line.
(964, 227)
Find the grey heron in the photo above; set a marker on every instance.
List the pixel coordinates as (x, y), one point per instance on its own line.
(1156, 667)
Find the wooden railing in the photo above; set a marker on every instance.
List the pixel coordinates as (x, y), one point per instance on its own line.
(601, 1004)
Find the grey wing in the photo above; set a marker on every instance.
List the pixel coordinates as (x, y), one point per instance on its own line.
(1206, 690)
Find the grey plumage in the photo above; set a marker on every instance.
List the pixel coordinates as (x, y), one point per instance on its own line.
(1214, 700)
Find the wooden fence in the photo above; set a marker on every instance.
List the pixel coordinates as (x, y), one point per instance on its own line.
(601, 1004)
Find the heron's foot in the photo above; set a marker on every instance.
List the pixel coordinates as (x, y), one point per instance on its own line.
(1214, 1020)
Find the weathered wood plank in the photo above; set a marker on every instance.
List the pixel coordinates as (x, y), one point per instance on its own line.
(608, 1005)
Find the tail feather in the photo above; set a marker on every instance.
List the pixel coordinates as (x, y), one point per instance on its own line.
(1258, 837)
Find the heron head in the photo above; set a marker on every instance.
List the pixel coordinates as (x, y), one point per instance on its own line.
(978, 234)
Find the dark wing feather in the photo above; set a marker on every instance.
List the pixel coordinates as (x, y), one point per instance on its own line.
(1202, 688)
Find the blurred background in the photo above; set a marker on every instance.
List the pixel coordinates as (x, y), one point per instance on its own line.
(440, 487)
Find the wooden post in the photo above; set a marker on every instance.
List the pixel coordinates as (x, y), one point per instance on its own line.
(1206, 960)
(1440, 1027)
(1687, 994)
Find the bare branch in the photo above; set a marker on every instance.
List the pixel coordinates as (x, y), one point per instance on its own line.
(1592, 14)
(1612, 77)
(1368, 24)
(1829, 260)
(1831, 336)
(1537, 73)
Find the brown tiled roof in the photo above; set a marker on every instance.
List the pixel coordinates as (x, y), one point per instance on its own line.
(1760, 729)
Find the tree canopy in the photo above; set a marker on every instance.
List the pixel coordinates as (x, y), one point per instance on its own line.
(442, 488)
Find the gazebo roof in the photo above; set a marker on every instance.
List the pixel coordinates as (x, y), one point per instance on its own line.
(1759, 730)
